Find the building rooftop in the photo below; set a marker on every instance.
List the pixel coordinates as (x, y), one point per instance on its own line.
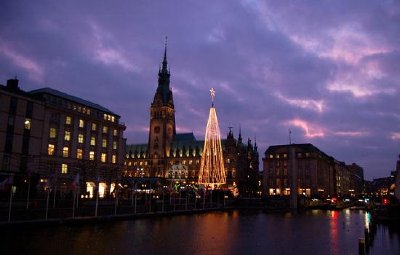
(75, 99)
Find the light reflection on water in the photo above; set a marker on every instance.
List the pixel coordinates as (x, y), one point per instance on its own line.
(235, 232)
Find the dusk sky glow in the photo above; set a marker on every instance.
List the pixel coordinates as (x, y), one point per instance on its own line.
(327, 70)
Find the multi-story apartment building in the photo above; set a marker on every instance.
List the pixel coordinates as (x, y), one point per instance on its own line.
(316, 173)
(60, 138)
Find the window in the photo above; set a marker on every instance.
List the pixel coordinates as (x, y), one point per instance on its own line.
(114, 159)
(65, 152)
(64, 168)
(94, 126)
(81, 123)
(80, 138)
(114, 145)
(79, 153)
(105, 129)
(103, 157)
(53, 133)
(157, 129)
(67, 136)
(50, 149)
(93, 141)
(104, 143)
(91, 155)
(115, 132)
(68, 120)
(27, 123)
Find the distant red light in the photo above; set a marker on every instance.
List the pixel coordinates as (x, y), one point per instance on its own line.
(385, 201)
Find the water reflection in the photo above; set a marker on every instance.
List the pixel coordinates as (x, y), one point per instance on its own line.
(236, 232)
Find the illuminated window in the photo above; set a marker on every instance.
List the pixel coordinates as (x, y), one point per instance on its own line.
(81, 123)
(94, 126)
(115, 132)
(64, 168)
(80, 138)
(93, 141)
(105, 129)
(91, 155)
(67, 136)
(79, 153)
(114, 159)
(271, 156)
(103, 157)
(27, 123)
(53, 133)
(65, 152)
(50, 149)
(104, 143)
(114, 145)
(68, 120)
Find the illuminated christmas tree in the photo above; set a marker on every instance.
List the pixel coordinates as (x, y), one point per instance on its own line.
(212, 171)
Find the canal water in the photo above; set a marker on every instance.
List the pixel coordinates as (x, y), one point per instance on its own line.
(234, 232)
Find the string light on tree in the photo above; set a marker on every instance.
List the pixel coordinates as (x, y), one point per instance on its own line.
(212, 171)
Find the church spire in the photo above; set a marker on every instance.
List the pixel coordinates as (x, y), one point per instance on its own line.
(165, 62)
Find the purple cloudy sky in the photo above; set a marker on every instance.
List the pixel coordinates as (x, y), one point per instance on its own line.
(327, 70)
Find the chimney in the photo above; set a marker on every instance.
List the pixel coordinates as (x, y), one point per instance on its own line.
(12, 84)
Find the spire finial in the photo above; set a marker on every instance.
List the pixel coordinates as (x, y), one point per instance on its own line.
(212, 92)
(165, 49)
(164, 68)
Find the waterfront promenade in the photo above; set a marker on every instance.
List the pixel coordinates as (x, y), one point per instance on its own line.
(46, 211)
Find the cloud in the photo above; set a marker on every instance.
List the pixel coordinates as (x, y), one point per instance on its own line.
(108, 54)
(311, 130)
(34, 69)
(310, 104)
(395, 136)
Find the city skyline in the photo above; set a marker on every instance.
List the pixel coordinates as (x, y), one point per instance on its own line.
(329, 72)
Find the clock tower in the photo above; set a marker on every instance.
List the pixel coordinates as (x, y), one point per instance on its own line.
(162, 122)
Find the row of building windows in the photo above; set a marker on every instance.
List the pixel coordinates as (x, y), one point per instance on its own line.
(285, 155)
(81, 138)
(80, 108)
(79, 154)
(68, 121)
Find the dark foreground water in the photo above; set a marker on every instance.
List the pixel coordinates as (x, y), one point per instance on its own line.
(236, 232)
